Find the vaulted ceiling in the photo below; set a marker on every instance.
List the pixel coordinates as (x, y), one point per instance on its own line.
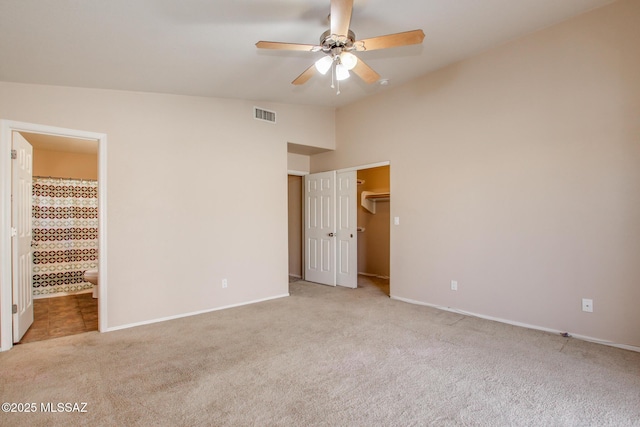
(207, 47)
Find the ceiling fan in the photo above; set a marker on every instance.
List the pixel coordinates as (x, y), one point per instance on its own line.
(338, 44)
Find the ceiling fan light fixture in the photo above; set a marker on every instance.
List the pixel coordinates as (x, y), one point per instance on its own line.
(324, 64)
(338, 43)
(342, 73)
(349, 60)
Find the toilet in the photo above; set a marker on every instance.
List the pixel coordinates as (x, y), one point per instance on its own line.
(91, 276)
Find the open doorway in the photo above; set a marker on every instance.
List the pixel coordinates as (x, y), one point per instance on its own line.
(16, 296)
(374, 223)
(65, 236)
(295, 209)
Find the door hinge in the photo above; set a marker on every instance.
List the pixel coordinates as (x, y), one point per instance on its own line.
(14, 308)
(14, 154)
(14, 231)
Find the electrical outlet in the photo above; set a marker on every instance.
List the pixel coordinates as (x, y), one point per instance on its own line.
(224, 283)
(587, 305)
(454, 285)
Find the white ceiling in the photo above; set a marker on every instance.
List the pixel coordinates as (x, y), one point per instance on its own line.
(207, 47)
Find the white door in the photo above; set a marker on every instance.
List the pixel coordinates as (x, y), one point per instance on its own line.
(22, 182)
(320, 228)
(347, 228)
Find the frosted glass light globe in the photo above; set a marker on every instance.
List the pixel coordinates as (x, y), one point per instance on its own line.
(323, 64)
(349, 60)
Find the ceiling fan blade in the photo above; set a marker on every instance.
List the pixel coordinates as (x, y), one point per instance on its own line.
(341, 16)
(365, 72)
(285, 46)
(305, 76)
(390, 40)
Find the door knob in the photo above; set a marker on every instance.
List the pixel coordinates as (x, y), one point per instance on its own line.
(331, 234)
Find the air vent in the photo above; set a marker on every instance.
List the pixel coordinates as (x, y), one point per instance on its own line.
(264, 115)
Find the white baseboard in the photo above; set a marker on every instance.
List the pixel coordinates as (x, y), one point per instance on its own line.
(194, 313)
(520, 324)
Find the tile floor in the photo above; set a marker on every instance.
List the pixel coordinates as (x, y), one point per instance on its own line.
(61, 316)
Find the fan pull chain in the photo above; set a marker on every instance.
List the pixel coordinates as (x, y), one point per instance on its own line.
(333, 74)
(335, 83)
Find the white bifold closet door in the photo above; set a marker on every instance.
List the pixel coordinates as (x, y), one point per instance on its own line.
(330, 229)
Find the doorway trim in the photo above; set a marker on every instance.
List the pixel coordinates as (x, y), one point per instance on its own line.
(7, 127)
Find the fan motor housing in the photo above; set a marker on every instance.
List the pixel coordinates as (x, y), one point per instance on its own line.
(330, 41)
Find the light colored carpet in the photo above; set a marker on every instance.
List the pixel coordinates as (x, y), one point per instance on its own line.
(324, 356)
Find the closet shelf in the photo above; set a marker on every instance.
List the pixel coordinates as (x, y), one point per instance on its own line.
(368, 199)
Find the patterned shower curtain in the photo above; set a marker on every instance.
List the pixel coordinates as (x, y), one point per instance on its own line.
(65, 229)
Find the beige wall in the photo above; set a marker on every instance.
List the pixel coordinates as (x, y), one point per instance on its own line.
(298, 162)
(197, 192)
(63, 164)
(295, 225)
(517, 174)
(373, 243)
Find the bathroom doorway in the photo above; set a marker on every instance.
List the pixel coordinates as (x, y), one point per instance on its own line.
(65, 240)
(60, 146)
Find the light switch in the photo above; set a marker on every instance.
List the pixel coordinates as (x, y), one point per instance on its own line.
(396, 220)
